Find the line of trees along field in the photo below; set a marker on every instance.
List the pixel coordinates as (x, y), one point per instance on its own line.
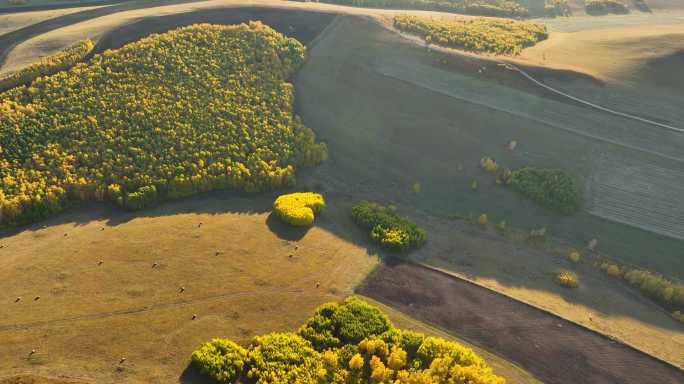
(475, 34)
(499, 8)
(195, 109)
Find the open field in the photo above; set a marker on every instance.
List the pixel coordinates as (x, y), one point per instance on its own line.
(393, 114)
(243, 273)
(13, 21)
(521, 333)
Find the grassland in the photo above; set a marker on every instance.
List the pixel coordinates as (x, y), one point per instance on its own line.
(408, 117)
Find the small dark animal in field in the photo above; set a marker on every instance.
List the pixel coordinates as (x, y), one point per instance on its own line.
(2, 246)
(318, 284)
(194, 316)
(218, 253)
(18, 299)
(102, 229)
(199, 225)
(36, 298)
(123, 360)
(33, 352)
(155, 265)
(182, 289)
(100, 262)
(65, 235)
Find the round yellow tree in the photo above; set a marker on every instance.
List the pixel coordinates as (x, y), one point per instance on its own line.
(299, 208)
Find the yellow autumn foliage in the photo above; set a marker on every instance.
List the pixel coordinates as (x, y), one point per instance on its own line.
(299, 209)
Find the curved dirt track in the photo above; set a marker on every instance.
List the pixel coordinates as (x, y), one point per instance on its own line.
(552, 349)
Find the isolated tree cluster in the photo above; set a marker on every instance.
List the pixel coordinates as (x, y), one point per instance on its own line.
(299, 209)
(198, 108)
(552, 188)
(475, 34)
(387, 228)
(347, 343)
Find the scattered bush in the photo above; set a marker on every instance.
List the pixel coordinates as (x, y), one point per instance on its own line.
(477, 34)
(17, 2)
(551, 188)
(220, 359)
(474, 185)
(566, 279)
(498, 8)
(387, 228)
(483, 220)
(502, 226)
(574, 256)
(603, 7)
(611, 269)
(489, 164)
(194, 109)
(372, 352)
(299, 209)
(50, 65)
(417, 188)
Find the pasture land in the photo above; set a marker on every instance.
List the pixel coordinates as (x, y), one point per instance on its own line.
(394, 115)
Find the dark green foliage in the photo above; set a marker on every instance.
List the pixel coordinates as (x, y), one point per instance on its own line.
(144, 197)
(551, 188)
(387, 228)
(603, 7)
(348, 323)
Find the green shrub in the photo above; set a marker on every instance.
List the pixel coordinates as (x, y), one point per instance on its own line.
(50, 65)
(566, 279)
(144, 197)
(299, 209)
(603, 7)
(220, 359)
(374, 352)
(198, 108)
(574, 256)
(551, 188)
(387, 228)
(333, 325)
(476, 34)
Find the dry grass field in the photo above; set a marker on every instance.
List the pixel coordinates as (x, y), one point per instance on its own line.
(393, 114)
(12, 21)
(110, 285)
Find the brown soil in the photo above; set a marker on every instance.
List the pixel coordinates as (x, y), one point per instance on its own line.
(552, 349)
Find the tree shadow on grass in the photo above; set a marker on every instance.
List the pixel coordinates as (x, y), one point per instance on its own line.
(192, 375)
(284, 230)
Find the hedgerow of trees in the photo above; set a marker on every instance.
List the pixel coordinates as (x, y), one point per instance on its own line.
(49, 65)
(387, 228)
(551, 188)
(348, 343)
(198, 108)
(658, 287)
(603, 7)
(476, 34)
(498, 8)
(299, 209)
